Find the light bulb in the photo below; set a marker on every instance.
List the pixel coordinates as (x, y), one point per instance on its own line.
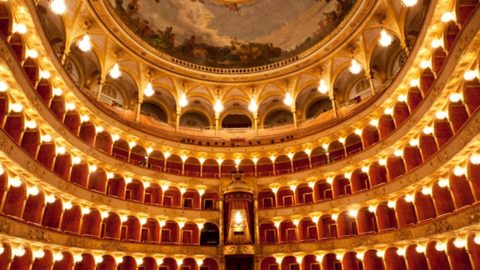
(58, 256)
(57, 91)
(353, 213)
(183, 102)
(39, 253)
(218, 106)
(428, 130)
(85, 44)
(67, 205)
(31, 124)
(448, 17)
(16, 107)
(84, 118)
(322, 87)
(455, 97)
(253, 106)
(115, 137)
(70, 106)
(19, 251)
(58, 6)
(19, 28)
(288, 99)
(385, 39)
(388, 111)
(414, 83)
(427, 191)
(15, 182)
(238, 218)
(459, 171)
(425, 64)
(409, 3)
(115, 72)
(440, 115)
(3, 86)
(33, 191)
(355, 67)
(414, 142)
(439, 246)
(475, 159)
(437, 43)
(31, 53)
(50, 198)
(60, 150)
(460, 243)
(443, 182)
(470, 75)
(149, 91)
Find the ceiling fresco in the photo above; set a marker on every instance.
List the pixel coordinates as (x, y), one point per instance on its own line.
(231, 34)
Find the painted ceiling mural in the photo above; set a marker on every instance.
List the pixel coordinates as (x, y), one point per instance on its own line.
(223, 34)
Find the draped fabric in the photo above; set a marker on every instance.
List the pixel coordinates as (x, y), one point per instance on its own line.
(238, 202)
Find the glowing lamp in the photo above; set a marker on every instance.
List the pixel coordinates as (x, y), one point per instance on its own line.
(115, 72)
(183, 101)
(288, 99)
(253, 106)
(409, 3)
(448, 17)
(149, 91)
(58, 6)
(355, 67)
(385, 39)
(85, 44)
(3, 86)
(218, 106)
(322, 87)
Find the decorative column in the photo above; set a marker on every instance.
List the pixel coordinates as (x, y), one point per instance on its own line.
(217, 118)
(334, 105)
(138, 109)
(369, 74)
(294, 113)
(255, 122)
(100, 87)
(177, 122)
(65, 54)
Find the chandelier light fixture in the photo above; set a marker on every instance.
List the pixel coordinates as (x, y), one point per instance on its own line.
(385, 38)
(115, 72)
(322, 87)
(58, 6)
(355, 67)
(85, 44)
(149, 91)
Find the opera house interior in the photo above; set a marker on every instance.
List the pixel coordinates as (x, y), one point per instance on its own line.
(239, 134)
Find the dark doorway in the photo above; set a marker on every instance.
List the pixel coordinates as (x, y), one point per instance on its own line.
(242, 262)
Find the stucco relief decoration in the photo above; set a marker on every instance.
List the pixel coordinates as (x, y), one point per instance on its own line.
(231, 34)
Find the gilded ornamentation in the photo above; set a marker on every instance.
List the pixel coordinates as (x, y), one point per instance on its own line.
(38, 235)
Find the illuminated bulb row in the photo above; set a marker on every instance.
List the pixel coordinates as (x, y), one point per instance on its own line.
(39, 253)
(458, 242)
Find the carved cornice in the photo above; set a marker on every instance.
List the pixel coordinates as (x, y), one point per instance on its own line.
(455, 152)
(459, 222)
(19, 162)
(9, 229)
(465, 220)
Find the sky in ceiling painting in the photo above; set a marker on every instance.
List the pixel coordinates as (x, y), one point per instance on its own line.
(236, 35)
